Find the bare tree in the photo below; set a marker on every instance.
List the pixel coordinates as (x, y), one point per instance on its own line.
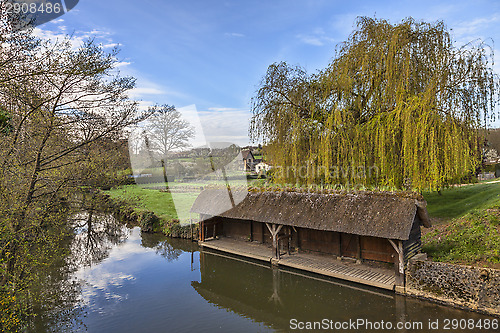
(167, 130)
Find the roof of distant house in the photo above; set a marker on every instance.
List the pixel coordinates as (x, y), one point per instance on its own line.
(245, 154)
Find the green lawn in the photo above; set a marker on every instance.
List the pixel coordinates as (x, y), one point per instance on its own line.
(469, 232)
(458, 201)
(161, 203)
(140, 199)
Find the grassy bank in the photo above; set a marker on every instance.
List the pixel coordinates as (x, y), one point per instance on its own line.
(459, 201)
(466, 225)
(142, 200)
(159, 202)
(473, 239)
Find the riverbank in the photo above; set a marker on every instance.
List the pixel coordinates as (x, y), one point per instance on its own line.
(466, 225)
(157, 216)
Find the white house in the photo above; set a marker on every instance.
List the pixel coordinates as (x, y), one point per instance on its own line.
(262, 167)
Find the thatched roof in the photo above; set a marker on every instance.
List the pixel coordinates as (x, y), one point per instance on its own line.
(367, 214)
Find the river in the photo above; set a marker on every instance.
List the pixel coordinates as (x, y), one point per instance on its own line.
(133, 282)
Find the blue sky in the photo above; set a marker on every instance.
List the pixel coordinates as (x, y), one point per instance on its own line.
(214, 53)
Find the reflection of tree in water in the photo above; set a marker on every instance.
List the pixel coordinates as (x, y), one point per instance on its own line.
(168, 248)
(95, 234)
(54, 292)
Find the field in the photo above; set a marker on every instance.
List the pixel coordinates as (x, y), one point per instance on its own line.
(141, 199)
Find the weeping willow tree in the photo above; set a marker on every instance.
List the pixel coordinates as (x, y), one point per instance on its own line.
(399, 106)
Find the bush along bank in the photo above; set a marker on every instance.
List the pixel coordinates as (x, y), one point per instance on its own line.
(148, 221)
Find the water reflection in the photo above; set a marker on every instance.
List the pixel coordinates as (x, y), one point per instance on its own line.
(168, 248)
(89, 238)
(274, 296)
(96, 233)
(149, 283)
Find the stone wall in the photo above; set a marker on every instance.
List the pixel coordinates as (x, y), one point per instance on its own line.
(474, 288)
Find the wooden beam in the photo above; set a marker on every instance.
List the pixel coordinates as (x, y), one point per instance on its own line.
(394, 245)
(358, 254)
(399, 262)
(274, 230)
(401, 258)
(399, 250)
(203, 231)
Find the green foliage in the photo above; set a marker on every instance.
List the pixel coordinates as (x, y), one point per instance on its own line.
(398, 106)
(5, 125)
(161, 203)
(149, 222)
(472, 239)
(62, 115)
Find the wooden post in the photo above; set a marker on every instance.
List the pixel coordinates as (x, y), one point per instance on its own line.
(274, 233)
(251, 231)
(275, 241)
(358, 254)
(298, 238)
(289, 238)
(202, 227)
(399, 262)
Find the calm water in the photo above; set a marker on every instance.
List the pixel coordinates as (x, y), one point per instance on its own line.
(152, 284)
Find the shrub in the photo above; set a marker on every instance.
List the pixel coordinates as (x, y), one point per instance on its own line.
(149, 222)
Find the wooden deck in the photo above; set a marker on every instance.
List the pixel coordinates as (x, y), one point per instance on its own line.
(324, 265)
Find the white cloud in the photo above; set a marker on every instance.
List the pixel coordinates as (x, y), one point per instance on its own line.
(475, 26)
(223, 109)
(145, 90)
(317, 38)
(226, 125)
(110, 45)
(144, 105)
(234, 34)
(122, 64)
(77, 37)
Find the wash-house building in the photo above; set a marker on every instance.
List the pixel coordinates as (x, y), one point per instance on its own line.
(372, 226)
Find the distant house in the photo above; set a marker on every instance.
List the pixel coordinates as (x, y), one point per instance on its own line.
(262, 168)
(248, 160)
(490, 156)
